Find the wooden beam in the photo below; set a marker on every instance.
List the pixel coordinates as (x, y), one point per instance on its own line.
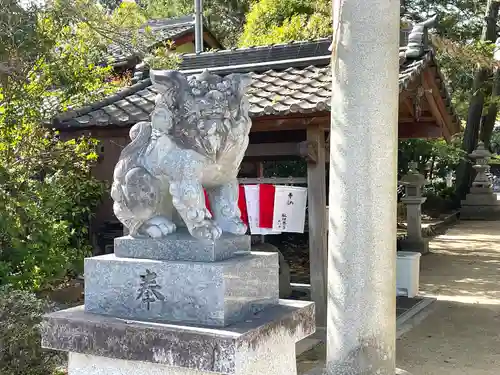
(272, 150)
(289, 122)
(448, 121)
(316, 194)
(260, 175)
(409, 120)
(260, 169)
(419, 130)
(273, 180)
(409, 91)
(409, 106)
(431, 101)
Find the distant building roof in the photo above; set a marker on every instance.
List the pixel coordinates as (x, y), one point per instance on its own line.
(160, 30)
(287, 78)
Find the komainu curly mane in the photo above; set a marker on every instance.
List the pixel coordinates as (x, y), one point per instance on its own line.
(197, 137)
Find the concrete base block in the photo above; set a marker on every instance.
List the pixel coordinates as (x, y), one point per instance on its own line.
(98, 345)
(481, 200)
(420, 246)
(183, 247)
(481, 190)
(211, 294)
(480, 213)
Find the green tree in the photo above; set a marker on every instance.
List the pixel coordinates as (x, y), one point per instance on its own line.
(128, 14)
(271, 21)
(436, 156)
(52, 60)
(225, 18)
(48, 63)
(458, 19)
(465, 39)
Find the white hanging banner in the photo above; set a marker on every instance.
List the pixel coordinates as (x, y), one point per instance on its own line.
(252, 199)
(290, 209)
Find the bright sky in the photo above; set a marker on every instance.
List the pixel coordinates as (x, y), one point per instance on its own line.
(25, 3)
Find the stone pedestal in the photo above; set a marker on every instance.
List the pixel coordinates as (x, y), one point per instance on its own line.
(482, 202)
(212, 294)
(262, 344)
(285, 286)
(157, 316)
(181, 246)
(413, 201)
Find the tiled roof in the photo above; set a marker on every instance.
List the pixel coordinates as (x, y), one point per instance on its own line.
(160, 30)
(303, 90)
(299, 83)
(256, 55)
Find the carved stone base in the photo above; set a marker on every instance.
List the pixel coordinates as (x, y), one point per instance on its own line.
(264, 344)
(210, 294)
(182, 246)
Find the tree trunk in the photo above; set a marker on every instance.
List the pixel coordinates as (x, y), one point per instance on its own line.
(471, 134)
(490, 119)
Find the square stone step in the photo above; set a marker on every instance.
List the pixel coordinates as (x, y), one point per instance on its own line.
(481, 200)
(182, 246)
(203, 293)
(261, 345)
(481, 190)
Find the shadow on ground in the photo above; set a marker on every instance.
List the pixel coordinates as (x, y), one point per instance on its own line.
(458, 339)
(462, 334)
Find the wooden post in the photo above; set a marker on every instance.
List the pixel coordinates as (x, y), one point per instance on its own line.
(260, 173)
(316, 185)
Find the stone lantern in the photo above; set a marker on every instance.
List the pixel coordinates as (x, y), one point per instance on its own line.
(481, 157)
(482, 202)
(414, 182)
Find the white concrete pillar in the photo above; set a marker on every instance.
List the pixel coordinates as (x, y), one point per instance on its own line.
(361, 322)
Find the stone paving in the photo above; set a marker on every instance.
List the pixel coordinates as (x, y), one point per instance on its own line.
(462, 334)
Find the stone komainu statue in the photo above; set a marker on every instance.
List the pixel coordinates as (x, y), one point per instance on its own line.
(196, 139)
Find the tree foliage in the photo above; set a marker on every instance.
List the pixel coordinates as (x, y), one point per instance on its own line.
(436, 156)
(224, 18)
(458, 19)
(53, 59)
(271, 21)
(457, 38)
(48, 63)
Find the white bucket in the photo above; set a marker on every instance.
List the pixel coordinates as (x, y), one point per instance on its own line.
(407, 273)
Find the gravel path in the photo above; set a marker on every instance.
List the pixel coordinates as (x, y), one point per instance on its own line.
(462, 335)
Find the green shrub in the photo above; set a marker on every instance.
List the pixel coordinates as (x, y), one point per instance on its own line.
(20, 344)
(51, 59)
(46, 198)
(271, 21)
(440, 199)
